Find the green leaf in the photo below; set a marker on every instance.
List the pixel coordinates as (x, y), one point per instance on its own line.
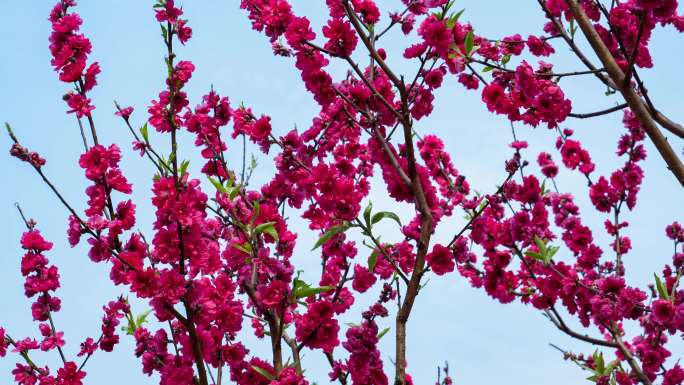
(142, 318)
(453, 19)
(383, 332)
(662, 289)
(334, 230)
(551, 252)
(385, 214)
(541, 244)
(267, 228)
(217, 185)
(301, 289)
(144, 133)
(183, 167)
(256, 207)
(367, 213)
(263, 372)
(307, 291)
(130, 329)
(372, 260)
(234, 192)
(165, 32)
(487, 69)
(468, 44)
(505, 59)
(230, 181)
(245, 247)
(534, 255)
(545, 253)
(600, 363)
(457, 16)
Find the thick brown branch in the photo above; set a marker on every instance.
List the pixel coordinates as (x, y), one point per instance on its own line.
(631, 97)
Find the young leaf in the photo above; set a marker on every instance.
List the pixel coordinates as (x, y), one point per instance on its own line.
(662, 289)
(451, 23)
(534, 255)
(385, 214)
(143, 132)
(256, 207)
(334, 230)
(551, 252)
(217, 185)
(468, 44)
(245, 247)
(383, 332)
(142, 318)
(234, 192)
(263, 372)
(372, 260)
(600, 363)
(541, 244)
(367, 213)
(267, 228)
(183, 167)
(307, 291)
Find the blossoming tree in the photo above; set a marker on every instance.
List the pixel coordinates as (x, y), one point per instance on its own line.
(219, 259)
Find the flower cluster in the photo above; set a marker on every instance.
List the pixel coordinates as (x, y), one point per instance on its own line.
(219, 255)
(70, 50)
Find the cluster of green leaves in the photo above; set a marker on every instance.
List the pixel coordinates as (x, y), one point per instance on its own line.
(601, 369)
(545, 253)
(135, 322)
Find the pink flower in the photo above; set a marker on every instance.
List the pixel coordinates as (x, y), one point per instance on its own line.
(274, 294)
(434, 77)
(575, 156)
(124, 112)
(184, 32)
(33, 240)
(363, 279)
(79, 104)
(3, 343)
(663, 311)
(91, 77)
(364, 362)
(317, 328)
(341, 38)
(675, 232)
(548, 167)
(368, 10)
(52, 341)
(435, 34)
(88, 347)
(440, 260)
(70, 375)
(603, 195)
(513, 45)
(470, 82)
(518, 144)
(674, 376)
(168, 12)
(539, 47)
(25, 345)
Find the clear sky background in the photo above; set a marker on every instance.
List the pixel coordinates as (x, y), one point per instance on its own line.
(485, 343)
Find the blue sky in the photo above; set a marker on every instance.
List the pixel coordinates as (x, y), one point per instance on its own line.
(484, 342)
